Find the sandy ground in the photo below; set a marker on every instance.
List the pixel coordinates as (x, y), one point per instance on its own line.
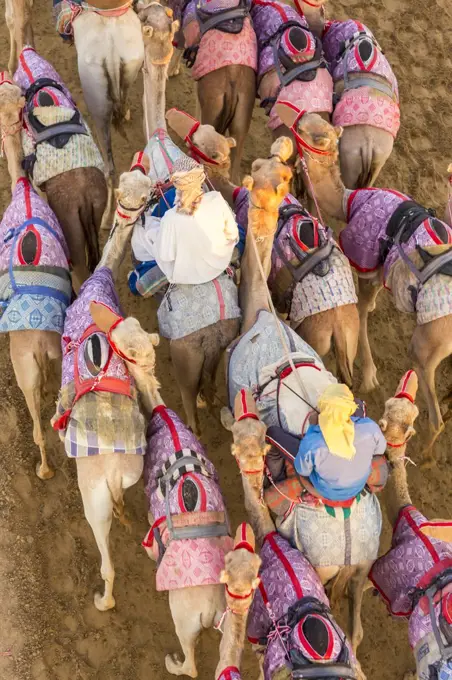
(49, 564)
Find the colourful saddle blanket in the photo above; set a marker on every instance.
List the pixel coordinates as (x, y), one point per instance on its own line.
(35, 285)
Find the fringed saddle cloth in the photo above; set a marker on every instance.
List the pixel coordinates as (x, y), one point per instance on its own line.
(415, 580)
(385, 228)
(218, 33)
(97, 409)
(55, 137)
(350, 49)
(289, 593)
(35, 285)
(190, 535)
(292, 60)
(256, 362)
(66, 12)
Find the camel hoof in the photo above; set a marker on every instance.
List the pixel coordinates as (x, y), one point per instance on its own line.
(102, 603)
(370, 384)
(176, 667)
(428, 464)
(44, 472)
(127, 115)
(200, 401)
(174, 72)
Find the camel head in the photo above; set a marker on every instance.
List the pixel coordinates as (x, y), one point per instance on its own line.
(158, 29)
(127, 338)
(205, 144)
(268, 184)
(313, 134)
(240, 573)
(248, 432)
(399, 415)
(12, 103)
(134, 187)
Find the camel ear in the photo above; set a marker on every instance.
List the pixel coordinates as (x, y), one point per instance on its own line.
(281, 189)
(338, 130)
(410, 432)
(255, 584)
(154, 338)
(231, 142)
(148, 31)
(224, 577)
(287, 113)
(103, 316)
(449, 168)
(21, 103)
(180, 122)
(248, 182)
(227, 419)
(383, 423)
(169, 12)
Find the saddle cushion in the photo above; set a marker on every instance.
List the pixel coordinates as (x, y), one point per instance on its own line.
(365, 106)
(80, 151)
(187, 562)
(95, 382)
(35, 285)
(413, 560)
(66, 12)
(328, 540)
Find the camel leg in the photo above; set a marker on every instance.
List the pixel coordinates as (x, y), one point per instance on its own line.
(368, 291)
(241, 121)
(95, 92)
(98, 508)
(30, 378)
(356, 591)
(188, 361)
(9, 18)
(430, 344)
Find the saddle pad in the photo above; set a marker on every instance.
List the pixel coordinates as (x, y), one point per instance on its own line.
(80, 151)
(413, 560)
(218, 49)
(314, 96)
(35, 286)
(260, 351)
(327, 541)
(365, 106)
(186, 309)
(162, 153)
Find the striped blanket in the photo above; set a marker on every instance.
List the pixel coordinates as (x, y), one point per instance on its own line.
(51, 105)
(35, 285)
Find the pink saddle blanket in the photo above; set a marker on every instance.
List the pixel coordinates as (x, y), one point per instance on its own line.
(365, 106)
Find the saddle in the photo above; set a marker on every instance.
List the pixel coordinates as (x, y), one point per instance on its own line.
(292, 70)
(366, 49)
(427, 597)
(310, 247)
(228, 20)
(403, 223)
(56, 134)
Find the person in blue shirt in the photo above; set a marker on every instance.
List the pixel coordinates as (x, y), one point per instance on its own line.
(336, 453)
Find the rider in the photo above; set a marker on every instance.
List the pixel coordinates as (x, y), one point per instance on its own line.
(335, 456)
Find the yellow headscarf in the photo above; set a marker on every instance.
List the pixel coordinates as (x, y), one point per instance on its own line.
(336, 405)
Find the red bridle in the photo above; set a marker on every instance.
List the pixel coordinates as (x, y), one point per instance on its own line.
(113, 345)
(299, 140)
(195, 152)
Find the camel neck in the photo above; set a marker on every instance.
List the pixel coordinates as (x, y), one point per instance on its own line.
(232, 642)
(148, 388)
(315, 16)
(327, 184)
(115, 247)
(398, 492)
(253, 292)
(258, 513)
(12, 149)
(219, 179)
(154, 81)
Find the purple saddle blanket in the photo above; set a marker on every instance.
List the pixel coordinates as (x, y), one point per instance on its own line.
(365, 59)
(368, 212)
(413, 561)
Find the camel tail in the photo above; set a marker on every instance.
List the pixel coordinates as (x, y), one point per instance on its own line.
(113, 72)
(117, 495)
(90, 232)
(345, 370)
(366, 178)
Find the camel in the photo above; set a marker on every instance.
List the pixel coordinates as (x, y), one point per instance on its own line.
(240, 564)
(224, 67)
(71, 175)
(431, 341)
(106, 350)
(448, 211)
(314, 13)
(366, 101)
(158, 30)
(340, 323)
(430, 541)
(110, 53)
(18, 16)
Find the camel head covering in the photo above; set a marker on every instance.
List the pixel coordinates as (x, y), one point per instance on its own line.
(188, 177)
(336, 406)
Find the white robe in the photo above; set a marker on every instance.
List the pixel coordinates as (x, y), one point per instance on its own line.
(189, 249)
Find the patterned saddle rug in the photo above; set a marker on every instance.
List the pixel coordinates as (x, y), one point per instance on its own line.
(55, 137)
(97, 409)
(350, 49)
(256, 362)
(289, 593)
(385, 228)
(190, 535)
(66, 12)
(414, 579)
(35, 285)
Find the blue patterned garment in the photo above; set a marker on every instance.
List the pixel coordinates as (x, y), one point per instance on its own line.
(32, 312)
